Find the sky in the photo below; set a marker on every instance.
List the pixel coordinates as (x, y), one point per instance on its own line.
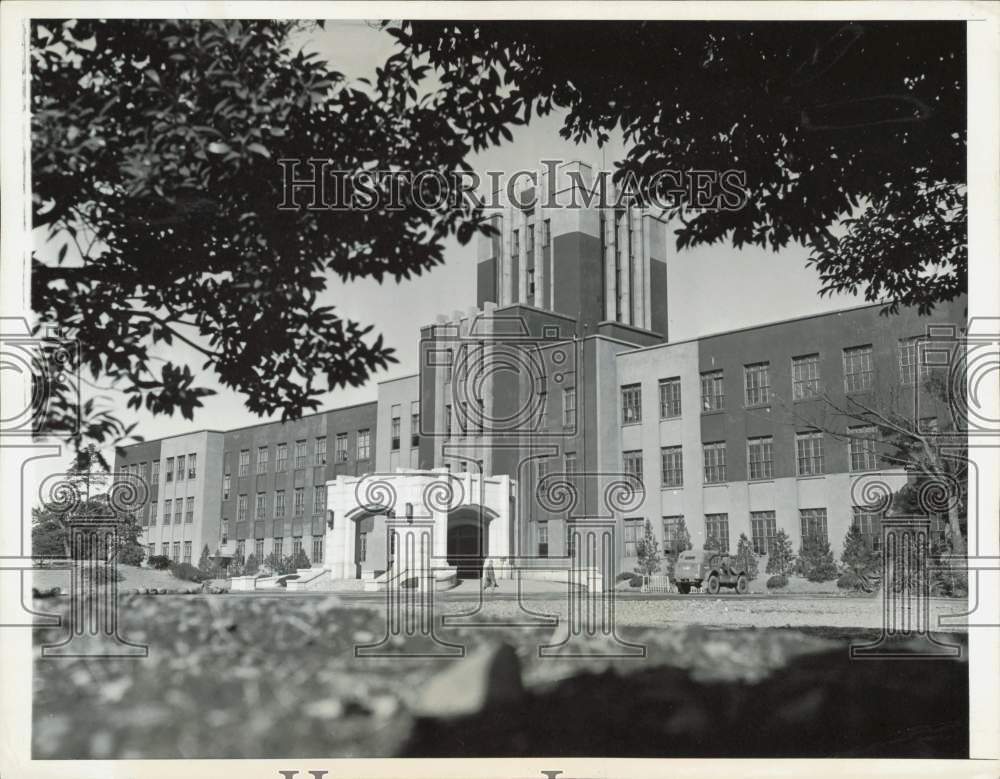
(711, 288)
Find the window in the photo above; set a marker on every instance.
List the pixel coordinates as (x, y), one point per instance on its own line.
(912, 361)
(226, 486)
(258, 549)
(763, 529)
(541, 467)
(187, 552)
(281, 459)
(299, 501)
(515, 245)
(529, 237)
(670, 398)
(928, 425)
(858, 368)
(715, 462)
(717, 527)
(317, 549)
(570, 463)
(180, 468)
(713, 394)
(809, 453)
(362, 547)
(241, 508)
(152, 513)
(633, 536)
(546, 232)
(319, 499)
(263, 455)
(633, 465)
(296, 544)
(150, 550)
(813, 523)
(671, 533)
(805, 377)
(177, 552)
(260, 507)
(672, 466)
(394, 428)
(244, 467)
(757, 383)
(165, 549)
(279, 504)
(170, 469)
(415, 424)
(320, 451)
(571, 541)
(862, 446)
(869, 523)
(448, 364)
(155, 479)
(760, 457)
(631, 404)
(447, 419)
(168, 506)
(192, 466)
(178, 510)
(300, 454)
(241, 549)
(364, 444)
(543, 539)
(569, 406)
(225, 531)
(340, 453)
(277, 546)
(189, 511)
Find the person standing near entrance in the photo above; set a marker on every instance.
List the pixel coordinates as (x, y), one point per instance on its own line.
(489, 576)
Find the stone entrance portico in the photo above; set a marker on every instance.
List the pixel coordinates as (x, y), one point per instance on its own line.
(468, 516)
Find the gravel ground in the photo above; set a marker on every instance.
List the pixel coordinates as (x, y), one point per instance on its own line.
(728, 611)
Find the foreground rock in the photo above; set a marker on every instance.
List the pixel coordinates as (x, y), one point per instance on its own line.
(488, 677)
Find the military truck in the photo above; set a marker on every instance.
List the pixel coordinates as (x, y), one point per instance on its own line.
(710, 568)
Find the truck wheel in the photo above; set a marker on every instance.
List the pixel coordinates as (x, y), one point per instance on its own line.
(683, 589)
(713, 584)
(741, 585)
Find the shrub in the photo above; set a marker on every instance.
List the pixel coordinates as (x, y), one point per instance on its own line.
(780, 555)
(131, 553)
(816, 559)
(624, 576)
(298, 560)
(849, 580)
(276, 564)
(206, 564)
(777, 582)
(745, 557)
(636, 580)
(187, 572)
(251, 566)
(862, 566)
(158, 562)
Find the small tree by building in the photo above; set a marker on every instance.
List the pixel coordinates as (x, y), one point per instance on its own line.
(648, 552)
(205, 563)
(745, 557)
(862, 565)
(298, 560)
(780, 557)
(251, 566)
(816, 559)
(680, 542)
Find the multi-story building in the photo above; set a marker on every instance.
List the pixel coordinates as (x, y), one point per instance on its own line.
(563, 375)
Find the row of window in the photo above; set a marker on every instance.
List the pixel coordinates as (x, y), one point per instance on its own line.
(177, 468)
(280, 503)
(174, 510)
(763, 529)
(806, 381)
(301, 454)
(395, 424)
(862, 450)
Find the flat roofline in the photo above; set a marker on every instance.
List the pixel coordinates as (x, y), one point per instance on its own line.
(762, 325)
(398, 378)
(257, 424)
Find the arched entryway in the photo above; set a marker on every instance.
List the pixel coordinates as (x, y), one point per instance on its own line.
(469, 540)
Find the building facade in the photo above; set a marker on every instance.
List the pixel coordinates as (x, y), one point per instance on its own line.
(562, 382)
